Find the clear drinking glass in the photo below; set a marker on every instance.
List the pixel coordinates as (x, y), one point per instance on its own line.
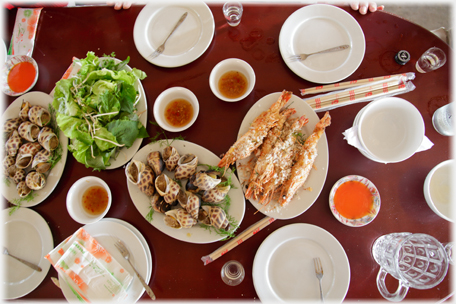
(415, 260)
(233, 273)
(442, 120)
(431, 60)
(232, 11)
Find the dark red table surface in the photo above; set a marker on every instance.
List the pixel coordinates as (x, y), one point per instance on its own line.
(178, 272)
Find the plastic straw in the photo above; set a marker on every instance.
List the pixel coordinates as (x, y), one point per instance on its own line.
(247, 233)
(353, 83)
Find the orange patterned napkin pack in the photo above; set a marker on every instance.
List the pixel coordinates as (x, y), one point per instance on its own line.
(23, 39)
(89, 270)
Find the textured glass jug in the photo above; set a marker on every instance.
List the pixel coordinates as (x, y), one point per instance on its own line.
(416, 260)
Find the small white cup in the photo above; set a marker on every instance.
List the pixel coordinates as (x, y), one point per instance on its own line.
(74, 199)
(231, 64)
(437, 189)
(165, 98)
(391, 129)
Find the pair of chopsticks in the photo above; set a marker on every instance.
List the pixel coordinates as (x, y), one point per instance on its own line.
(358, 90)
(244, 235)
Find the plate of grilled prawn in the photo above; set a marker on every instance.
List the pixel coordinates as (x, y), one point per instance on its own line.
(281, 155)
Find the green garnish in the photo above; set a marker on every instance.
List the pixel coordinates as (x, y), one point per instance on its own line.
(150, 215)
(18, 201)
(165, 141)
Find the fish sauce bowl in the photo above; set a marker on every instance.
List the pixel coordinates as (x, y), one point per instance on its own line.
(231, 65)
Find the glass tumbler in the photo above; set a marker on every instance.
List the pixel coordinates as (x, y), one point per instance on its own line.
(232, 11)
(233, 273)
(431, 60)
(442, 120)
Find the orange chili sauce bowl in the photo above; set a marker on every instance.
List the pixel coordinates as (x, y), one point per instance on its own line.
(359, 222)
(167, 97)
(74, 199)
(9, 65)
(227, 65)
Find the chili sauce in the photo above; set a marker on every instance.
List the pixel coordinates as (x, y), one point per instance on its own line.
(353, 200)
(233, 84)
(21, 76)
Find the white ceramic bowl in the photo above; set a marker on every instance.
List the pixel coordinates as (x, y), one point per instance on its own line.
(74, 199)
(360, 221)
(165, 98)
(231, 64)
(437, 189)
(7, 68)
(391, 129)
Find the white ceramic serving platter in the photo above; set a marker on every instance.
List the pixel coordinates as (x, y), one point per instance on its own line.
(107, 232)
(190, 40)
(303, 199)
(124, 154)
(318, 27)
(196, 234)
(283, 268)
(9, 188)
(27, 236)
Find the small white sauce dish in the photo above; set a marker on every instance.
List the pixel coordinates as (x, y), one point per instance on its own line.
(227, 65)
(74, 199)
(376, 202)
(437, 189)
(9, 64)
(390, 129)
(168, 96)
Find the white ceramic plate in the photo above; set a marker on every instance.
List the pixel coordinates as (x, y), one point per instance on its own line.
(318, 27)
(196, 234)
(303, 199)
(125, 154)
(283, 268)
(9, 189)
(107, 232)
(186, 44)
(26, 235)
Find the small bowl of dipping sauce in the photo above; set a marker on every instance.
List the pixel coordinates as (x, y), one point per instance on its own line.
(19, 75)
(437, 190)
(232, 80)
(176, 109)
(88, 200)
(354, 201)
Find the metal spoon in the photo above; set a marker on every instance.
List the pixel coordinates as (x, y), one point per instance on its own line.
(33, 266)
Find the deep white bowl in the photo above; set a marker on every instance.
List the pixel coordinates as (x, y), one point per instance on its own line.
(9, 64)
(437, 189)
(231, 64)
(165, 98)
(74, 199)
(391, 129)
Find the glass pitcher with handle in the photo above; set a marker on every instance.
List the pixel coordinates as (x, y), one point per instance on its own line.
(415, 260)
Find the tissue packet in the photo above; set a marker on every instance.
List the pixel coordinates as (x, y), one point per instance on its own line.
(89, 277)
(90, 244)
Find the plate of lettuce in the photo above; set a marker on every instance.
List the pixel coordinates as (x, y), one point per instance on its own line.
(102, 108)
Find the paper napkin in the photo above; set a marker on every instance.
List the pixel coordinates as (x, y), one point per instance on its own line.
(24, 32)
(89, 270)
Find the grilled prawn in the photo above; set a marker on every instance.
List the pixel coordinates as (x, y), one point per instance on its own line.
(301, 169)
(258, 130)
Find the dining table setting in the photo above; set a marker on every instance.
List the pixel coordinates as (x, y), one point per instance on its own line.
(225, 151)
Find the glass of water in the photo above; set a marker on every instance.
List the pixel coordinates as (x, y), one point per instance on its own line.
(232, 11)
(442, 120)
(233, 273)
(431, 60)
